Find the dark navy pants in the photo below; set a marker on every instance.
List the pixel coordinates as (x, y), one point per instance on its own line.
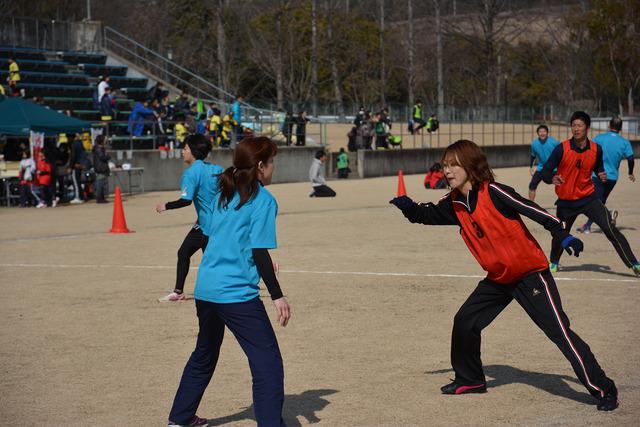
(249, 323)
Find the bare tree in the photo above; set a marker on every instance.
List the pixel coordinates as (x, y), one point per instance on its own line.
(411, 52)
(335, 76)
(314, 58)
(383, 82)
(439, 73)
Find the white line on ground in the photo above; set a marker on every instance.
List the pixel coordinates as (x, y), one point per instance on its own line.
(354, 273)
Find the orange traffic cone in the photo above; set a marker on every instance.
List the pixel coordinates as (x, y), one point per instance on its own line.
(119, 224)
(402, 191)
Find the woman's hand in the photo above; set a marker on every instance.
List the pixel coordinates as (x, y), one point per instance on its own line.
(283, 310)
(557, 180)
(160, 207)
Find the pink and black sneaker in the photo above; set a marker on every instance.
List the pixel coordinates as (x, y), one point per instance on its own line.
(455, 388)
(195, 422)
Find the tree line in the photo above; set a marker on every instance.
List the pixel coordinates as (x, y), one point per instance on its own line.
(346, 53)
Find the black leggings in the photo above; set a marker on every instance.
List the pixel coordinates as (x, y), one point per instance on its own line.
(597, 212)
(194, 240)
(538, 295)
(323, 191)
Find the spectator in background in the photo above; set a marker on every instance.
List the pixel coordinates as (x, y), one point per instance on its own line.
(102, 87)
(434, 179)
(352, 144)
(236, 111)
(287, 127)
(343, 165)
(359, 117)
(228, 125)
(381, 130)
(432, 123)
(78, 163)
(62, 169)
(316, 175)
(43, 174)
(367, 130)
(106, 105)
(418, 118)
(156, 92)
(215, 126)
(140, 111)
(301, 128)
(180, 130)
(14, 72)
(101, 167)
(182, 104)
(27, 175)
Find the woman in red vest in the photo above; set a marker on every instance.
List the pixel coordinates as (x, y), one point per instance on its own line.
(488, 214)
(575, 160)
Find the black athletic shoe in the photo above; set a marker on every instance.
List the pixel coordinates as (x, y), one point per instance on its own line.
(609, 402)
(455, 388)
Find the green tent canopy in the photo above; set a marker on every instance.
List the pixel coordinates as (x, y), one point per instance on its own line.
(19, 117)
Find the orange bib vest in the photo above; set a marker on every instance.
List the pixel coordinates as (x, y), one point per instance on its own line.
(504, 247)
(575, 168)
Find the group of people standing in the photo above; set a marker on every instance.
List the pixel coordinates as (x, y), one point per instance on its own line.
(64, 173)
(298, 121)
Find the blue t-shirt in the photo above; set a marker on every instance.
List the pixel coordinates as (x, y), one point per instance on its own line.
(542, 150)
(227, 272)
(614, 149)
(199, 184)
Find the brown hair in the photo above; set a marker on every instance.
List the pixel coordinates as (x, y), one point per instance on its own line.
(243, 175)
(471, 158)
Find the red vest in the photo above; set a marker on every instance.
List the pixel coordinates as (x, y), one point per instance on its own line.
(504, 247)
(575, 168)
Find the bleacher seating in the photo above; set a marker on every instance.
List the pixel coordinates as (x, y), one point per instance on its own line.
(66, 81)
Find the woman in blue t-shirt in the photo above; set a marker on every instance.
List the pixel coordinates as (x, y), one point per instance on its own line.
(242, 228)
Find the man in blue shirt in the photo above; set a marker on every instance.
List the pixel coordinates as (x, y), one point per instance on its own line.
(541, 149)
(136, 119)
(614, 148)
(199, 185)
(236, 110)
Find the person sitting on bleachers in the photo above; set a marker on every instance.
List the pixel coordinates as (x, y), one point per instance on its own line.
(102, 87)
(14, 71)
(136, 120)
(106, 105)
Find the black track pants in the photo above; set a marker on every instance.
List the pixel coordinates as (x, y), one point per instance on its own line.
(599, 214)
(194, 240)
(538, 295)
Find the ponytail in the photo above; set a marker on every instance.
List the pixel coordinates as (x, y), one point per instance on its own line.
(242, 177)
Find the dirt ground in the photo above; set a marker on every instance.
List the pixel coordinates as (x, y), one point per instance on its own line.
(84, 341)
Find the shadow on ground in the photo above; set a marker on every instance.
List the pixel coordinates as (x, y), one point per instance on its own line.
(595, 268)
(295, 405)
(551, 383)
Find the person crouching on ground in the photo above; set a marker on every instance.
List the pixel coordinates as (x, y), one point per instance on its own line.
(488, 214)
(316, 175)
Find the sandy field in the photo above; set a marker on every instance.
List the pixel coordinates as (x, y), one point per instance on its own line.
(84, 341)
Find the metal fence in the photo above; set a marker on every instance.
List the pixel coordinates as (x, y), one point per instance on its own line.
(50, 35)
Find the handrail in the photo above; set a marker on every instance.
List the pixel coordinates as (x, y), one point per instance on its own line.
(109, 38)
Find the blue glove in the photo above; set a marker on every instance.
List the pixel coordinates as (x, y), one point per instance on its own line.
(572, 245)
(403, 202)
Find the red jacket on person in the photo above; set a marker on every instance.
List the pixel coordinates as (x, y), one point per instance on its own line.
(43, 171)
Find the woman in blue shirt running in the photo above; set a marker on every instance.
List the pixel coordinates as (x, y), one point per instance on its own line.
(242, 230)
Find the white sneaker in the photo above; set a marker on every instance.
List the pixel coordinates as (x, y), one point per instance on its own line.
(55, 202)
(41, 205)
(76, 201)
(172, 297)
